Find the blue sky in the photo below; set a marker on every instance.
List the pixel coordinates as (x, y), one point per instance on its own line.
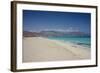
(60, 21)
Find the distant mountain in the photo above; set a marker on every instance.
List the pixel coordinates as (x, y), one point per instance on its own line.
(30, 34)
(53, 33)
(57, 33)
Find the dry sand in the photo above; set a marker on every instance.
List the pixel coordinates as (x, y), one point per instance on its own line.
(38, 49)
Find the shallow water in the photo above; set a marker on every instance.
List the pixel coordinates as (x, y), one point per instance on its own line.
(79, 40)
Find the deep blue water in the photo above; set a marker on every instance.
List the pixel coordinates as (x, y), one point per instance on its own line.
(80, 40)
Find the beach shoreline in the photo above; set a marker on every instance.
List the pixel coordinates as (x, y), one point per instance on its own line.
(38, 49)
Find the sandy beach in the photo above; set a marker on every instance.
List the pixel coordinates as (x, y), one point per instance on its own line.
(38, 49)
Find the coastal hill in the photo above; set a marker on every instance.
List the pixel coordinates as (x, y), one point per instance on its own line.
(30, 34)
(53, 33)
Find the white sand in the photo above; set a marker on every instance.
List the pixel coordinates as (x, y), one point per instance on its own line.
(37, 49)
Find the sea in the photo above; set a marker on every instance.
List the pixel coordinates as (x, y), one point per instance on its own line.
(79, 40)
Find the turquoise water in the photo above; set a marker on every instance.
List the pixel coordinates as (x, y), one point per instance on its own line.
(80, 40)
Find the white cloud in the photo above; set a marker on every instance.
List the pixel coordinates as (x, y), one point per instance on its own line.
(68, 29)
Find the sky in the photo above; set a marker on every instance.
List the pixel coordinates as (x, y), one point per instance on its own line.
(37, 21)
